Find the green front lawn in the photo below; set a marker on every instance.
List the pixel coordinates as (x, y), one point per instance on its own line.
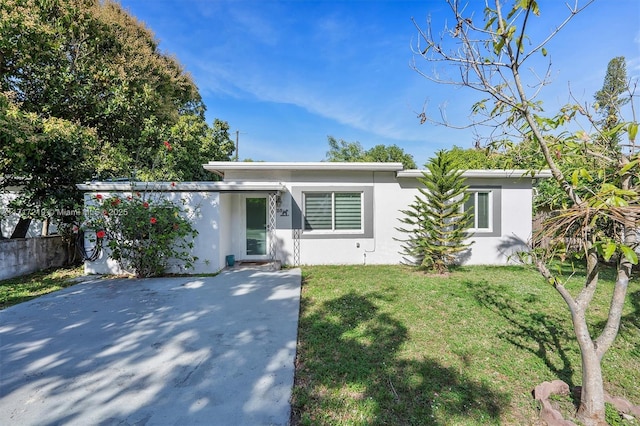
(21, 289)
(389, 345)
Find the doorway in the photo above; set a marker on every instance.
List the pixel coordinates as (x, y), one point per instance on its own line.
(256, 244)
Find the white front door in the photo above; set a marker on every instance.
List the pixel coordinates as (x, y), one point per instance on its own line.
(255, 220)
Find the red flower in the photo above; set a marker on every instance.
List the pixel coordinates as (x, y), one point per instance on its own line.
(115, 202)
(104, 212)
(168, 146)
(153, 220)
(129, 198)
(145, 205)
(75, 229)
(99, 197)
(173, 184)
(100, 234)
(137, 194)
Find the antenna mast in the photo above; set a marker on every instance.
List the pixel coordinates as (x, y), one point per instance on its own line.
(237, 143)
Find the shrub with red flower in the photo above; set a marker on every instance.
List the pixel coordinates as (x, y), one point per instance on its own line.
(168, 146)
(144, 233)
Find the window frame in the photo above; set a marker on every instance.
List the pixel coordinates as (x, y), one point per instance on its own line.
(368, 210)
(493, 212)
(333, 230)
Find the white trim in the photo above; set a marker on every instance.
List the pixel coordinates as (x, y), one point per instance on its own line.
(220, 167)
(488, 173)
(183, 186)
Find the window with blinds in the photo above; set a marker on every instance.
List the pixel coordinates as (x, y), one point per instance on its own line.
(480, 203)
(333, 211)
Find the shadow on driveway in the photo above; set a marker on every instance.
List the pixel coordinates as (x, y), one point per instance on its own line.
(214, 350)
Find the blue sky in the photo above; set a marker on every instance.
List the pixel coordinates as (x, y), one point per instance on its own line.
(286, 74)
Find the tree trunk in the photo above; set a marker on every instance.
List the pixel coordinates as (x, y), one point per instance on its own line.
(591, 411)
(21, 229)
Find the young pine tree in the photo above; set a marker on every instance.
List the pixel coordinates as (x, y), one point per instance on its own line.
(436, 222)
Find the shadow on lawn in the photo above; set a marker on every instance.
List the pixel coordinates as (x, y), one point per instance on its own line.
(539, 333)
(348, 371)
(630, 323)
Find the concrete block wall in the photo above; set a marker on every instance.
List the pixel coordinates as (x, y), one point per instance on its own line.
(26, 255)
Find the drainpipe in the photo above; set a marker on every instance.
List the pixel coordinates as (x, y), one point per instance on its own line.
(364, 255)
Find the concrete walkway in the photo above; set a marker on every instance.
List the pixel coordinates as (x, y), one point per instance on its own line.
(163, 351)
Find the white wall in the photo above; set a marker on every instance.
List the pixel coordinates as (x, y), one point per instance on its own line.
(391, 195)
(226, 234)
(9, 219)
(219, 221)
(203, 209)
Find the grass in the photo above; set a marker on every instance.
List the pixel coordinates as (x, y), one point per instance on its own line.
(389, 345)
(21, 289)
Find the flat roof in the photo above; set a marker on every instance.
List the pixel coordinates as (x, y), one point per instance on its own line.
(486, 173)
(182, 186)
(219, 167)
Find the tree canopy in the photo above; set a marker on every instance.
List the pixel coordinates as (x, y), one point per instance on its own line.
(341, 150)
(128, 109)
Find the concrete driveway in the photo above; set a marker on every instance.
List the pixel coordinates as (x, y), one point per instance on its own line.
(161, 351)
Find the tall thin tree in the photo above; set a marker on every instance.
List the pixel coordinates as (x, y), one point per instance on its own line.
(436, 222)
(610, 99)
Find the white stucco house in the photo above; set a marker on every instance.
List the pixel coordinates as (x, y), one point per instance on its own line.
(312, 213)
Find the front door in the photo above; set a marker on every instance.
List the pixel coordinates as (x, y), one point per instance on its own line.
(256, 227)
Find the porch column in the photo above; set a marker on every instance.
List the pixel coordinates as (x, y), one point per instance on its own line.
(271, 227)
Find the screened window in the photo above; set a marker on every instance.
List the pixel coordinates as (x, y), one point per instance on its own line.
(480, 203)
(333, 211)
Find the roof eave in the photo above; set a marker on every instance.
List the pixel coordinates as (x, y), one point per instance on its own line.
(219, 167)
(487, 173)
(182, 186)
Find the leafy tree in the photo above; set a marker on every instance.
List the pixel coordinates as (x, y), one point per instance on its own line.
(194, 143)
(602, 214)
(90, 63)
(45, 159)
(185, 147)
(472, 158)
(389, 154)
(343, 151)
(436, 221)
